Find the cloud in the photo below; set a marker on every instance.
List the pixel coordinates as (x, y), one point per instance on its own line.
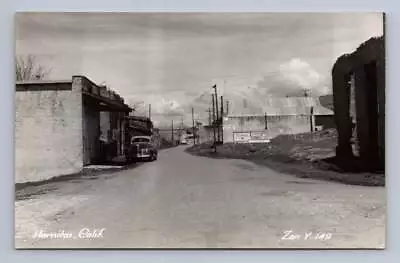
(292, 78)
(177, 56)
(159, 106)
(300, 73)
(169, 108)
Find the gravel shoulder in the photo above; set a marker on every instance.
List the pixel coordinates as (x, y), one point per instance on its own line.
(309, 155)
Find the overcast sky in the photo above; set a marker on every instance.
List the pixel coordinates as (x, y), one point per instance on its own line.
(170, 59)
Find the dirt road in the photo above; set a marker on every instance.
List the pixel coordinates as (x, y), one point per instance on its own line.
(184, 201)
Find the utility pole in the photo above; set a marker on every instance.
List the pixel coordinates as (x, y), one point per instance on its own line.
(172, 132)
(194, 136)
(222, 116)
(266, 120)
(222, 106)
(209, 116)
(227, 107)
(312, 118)
(216, 108)
(149, 111)
(213, 121)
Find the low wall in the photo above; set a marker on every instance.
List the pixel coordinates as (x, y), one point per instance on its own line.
(276, 125)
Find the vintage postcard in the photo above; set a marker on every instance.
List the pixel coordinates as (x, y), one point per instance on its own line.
(200, 131)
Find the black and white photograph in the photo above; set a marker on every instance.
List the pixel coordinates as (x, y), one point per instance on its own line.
(199, 130)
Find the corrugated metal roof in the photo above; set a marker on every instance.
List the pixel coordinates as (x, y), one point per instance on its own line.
(283, 107)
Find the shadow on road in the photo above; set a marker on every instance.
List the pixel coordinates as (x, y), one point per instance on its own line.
(31, 190)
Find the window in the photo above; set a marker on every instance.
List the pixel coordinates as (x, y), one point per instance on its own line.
(140, 139)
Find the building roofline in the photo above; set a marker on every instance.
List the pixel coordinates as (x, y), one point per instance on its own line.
(43, 85)
(140, 118)
(41, 81)
(106, 95)
(111, 103)
(374, 47)
(278, 115)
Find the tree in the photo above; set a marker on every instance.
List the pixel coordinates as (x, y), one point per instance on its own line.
(27, 68)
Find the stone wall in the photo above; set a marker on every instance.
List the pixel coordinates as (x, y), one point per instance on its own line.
(48, 130)
(367, 66)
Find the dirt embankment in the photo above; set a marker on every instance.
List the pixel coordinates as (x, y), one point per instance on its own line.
(308, 155)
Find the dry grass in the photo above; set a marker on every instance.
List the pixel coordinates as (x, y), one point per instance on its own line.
(307, 155)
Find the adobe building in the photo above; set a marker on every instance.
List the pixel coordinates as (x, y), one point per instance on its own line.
(139, 126)
(142, 126)
(291, 115)
(358, 81)
(62, 126)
